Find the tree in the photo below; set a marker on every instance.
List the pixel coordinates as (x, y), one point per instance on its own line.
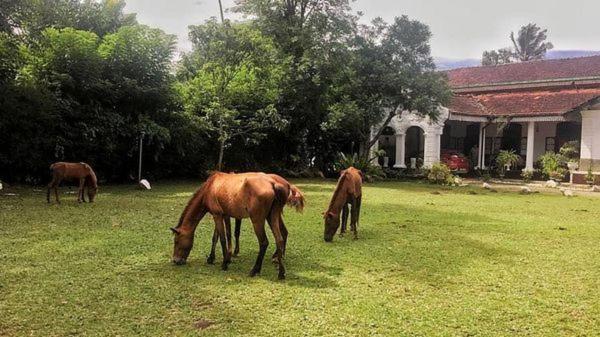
(530, 43)
(501, 56)
(527, 46)
(390, 70)
(313, 35)
(232, 80)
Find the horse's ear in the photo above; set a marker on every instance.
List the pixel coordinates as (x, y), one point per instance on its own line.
(174, 230)
(330, 215)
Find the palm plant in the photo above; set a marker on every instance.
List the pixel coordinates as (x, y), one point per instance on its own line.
(506, 158)
(530, 43)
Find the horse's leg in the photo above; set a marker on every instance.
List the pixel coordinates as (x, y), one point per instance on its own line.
(220, 226)
(354, 217)
(263, 243)
(211, 257)
(56, 190)
(228, 233)
(80, 191)
(238, 226)
(274, 217)
(344, 219)
(284, 235)
(50, 186)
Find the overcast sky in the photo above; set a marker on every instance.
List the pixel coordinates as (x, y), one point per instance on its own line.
(461, 28)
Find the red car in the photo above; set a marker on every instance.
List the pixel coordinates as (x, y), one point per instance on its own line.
(456, 161)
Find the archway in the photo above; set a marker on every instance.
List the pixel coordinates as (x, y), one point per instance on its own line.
(415, 145)
(387, 143)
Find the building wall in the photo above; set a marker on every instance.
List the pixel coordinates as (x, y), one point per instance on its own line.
(543, 130)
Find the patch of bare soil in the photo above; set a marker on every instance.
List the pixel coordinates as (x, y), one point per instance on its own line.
(203, 324)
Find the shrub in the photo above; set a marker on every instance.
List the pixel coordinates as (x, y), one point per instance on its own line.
(553, 165)
(527, 175)
(589, 177)
(570, 151)
(371, 171)
(440, 174)
(506, 158)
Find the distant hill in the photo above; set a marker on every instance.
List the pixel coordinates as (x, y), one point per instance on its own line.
(444, 63)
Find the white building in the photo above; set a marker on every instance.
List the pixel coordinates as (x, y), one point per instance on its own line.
(529, 107)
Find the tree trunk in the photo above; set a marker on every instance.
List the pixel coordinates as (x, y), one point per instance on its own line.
(221, 11)
(365, 148)
(221, 150)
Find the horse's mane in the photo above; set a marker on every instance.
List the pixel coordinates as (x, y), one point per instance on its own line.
(338, 190)
(198, 195)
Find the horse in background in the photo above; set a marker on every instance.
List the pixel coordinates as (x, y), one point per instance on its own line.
(295, 199)
(348, 192)
(228, 195)
(79, 172)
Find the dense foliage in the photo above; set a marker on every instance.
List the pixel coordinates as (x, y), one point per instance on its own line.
(285, 90)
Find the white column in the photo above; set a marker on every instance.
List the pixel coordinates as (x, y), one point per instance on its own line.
(400, 150)
(530, 141)
(482, 149)
(432, 148)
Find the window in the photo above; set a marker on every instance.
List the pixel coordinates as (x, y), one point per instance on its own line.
(550, 144)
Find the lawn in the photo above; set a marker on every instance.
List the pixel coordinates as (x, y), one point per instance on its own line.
(464, 262)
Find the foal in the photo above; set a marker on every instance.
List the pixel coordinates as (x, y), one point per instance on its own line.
(295, 199)
(80, 172)
(255, 196)
(347, 192)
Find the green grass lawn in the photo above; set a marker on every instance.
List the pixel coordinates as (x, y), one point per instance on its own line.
(426, 264)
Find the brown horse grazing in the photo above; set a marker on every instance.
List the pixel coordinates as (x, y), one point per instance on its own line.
(295, 199)
(347, 192)
(226, 195)
(80, 172)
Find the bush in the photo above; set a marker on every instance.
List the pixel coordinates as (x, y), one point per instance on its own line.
(553, 165)
(570, 151)
(440, 174)
(527, 175)
(371, 171)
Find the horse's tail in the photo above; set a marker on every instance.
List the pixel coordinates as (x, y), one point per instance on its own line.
(296, 199)
(281, 195)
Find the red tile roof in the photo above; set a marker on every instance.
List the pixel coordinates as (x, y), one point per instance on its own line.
(532, 103)
(533, 71)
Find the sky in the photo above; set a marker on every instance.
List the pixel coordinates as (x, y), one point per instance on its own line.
(461, 28)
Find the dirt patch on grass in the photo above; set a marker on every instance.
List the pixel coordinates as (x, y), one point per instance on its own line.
(202, 324)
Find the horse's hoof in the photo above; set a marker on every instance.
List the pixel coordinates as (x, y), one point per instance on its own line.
(224, 266)
(253, 273)
(236, 253)
(281, 276)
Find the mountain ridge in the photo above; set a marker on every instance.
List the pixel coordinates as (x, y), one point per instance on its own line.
(445, 63)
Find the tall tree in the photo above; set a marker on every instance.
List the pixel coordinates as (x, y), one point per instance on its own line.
(390, 70)
(232, 80)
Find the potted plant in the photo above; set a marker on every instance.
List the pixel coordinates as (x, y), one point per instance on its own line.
(570, 152)
(506, 159)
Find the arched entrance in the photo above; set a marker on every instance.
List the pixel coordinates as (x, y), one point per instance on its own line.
(387, 143)
(415, 145)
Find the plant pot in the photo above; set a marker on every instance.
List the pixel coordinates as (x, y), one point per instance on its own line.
(573, 165)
